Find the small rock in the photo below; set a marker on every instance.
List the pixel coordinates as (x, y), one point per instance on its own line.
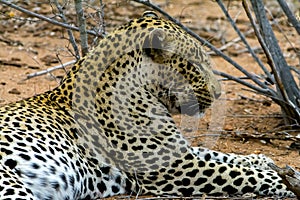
(257, 152)
(49, 59)
(228, 127)
(14, 91)
(267, 103)
(15, 59)
(295, 145)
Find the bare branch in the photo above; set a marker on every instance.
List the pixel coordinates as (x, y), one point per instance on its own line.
(259, 37)
(288, 89)
(241, 81)
(233, 24)
(29, 76)
(101, 29)
(82, 27)
(71, 36)
(101, 16)
(234, 41)
(51, 21)
(290, 15)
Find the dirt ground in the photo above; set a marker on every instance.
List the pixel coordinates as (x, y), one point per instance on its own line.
(240, 122)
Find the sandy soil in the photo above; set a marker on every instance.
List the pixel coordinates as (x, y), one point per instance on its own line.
(239, 118)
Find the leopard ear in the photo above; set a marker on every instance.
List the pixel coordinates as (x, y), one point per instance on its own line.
(150, 13)
(159, 45)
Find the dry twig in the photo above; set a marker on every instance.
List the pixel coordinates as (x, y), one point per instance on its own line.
(290, 15)
(290, 177)
(42, 17)
(49, 70)
(237, 30)
(71, 36)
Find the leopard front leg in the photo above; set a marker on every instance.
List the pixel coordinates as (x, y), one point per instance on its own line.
(195, 176)
(259, 161)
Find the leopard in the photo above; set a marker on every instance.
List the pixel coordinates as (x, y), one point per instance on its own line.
(108, 128)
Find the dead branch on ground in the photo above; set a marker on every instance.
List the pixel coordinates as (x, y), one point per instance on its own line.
(51, 69)
(290, 177)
